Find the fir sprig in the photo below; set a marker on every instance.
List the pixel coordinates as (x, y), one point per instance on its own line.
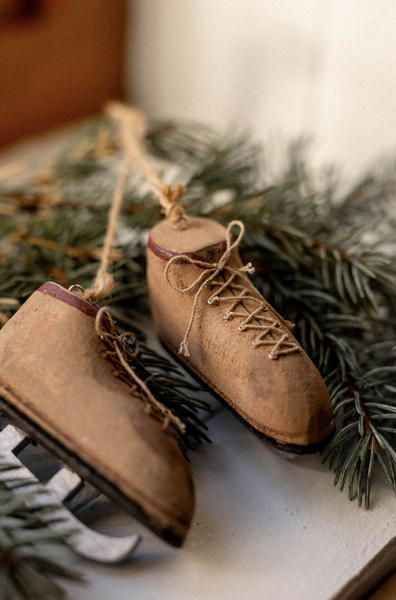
(169, 387)
(324, 258)
(32, 554)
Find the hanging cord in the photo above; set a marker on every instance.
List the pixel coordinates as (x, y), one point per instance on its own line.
(118, 354)
(104, 282)
(132, 129)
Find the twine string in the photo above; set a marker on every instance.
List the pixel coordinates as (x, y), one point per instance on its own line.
(131, 126)
(104, 282)
(270, 331)
(119, 354)
(131, 129)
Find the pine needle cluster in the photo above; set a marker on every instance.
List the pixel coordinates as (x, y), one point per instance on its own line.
(32, 553)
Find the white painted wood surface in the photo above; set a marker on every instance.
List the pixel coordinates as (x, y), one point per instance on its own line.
(264, 528)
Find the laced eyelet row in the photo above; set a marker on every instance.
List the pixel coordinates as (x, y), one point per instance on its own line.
(269, 330)
(233, 280)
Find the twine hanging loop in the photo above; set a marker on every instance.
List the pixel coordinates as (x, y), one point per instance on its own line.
(131, 129)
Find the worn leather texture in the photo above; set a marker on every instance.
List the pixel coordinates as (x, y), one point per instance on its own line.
(52, 371)
(286, 400)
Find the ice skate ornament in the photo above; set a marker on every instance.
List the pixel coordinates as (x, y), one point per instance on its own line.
(59, 385)
(65, 380)
(209, 314)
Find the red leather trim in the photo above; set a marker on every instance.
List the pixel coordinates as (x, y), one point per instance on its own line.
(56, 291)
(168, 254)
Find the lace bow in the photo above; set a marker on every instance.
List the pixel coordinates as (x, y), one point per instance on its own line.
(270, 331)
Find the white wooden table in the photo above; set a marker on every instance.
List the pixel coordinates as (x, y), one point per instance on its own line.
(265, 528)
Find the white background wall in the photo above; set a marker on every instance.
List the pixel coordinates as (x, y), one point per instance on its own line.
(280, 68)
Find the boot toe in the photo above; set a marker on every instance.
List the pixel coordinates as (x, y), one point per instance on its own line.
(294, 413)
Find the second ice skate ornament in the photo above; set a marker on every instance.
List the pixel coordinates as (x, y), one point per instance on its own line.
(209, 314)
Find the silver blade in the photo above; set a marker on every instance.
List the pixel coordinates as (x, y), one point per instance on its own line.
(86, 542)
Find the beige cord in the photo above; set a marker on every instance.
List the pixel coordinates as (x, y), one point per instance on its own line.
(117, 352)
(104, 283)
(131, 126)
(270, 332)
(132, 129)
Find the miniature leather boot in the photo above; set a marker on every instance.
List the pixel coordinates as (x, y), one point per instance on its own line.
(56, 384)
(206, 309)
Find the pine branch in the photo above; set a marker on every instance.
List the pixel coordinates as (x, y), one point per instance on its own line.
(32, 553)
(324, 259)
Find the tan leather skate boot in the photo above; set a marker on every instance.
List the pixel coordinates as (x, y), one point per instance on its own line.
(205, 308)
(56, 384)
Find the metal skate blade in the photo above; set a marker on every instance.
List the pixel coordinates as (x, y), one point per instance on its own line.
(286, 455)
(86, 472)
(62, 486)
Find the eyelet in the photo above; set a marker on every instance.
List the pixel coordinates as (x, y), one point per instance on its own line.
(254, 343)
(76, 288)
(273, 357)
(214, 301)
(241, 327)
(227, 317)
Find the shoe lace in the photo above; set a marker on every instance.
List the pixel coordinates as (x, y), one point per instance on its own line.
(270, 332)
(118, 353)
